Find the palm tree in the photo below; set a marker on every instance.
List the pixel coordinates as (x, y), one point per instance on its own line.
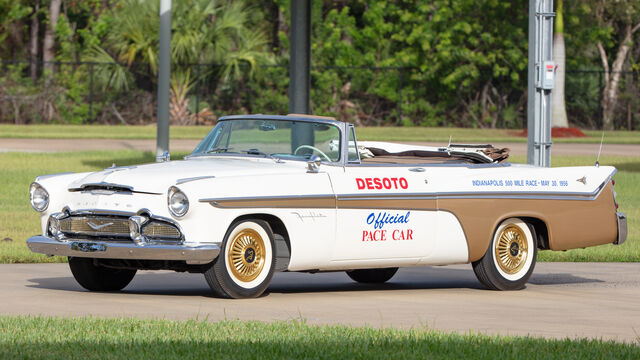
(203, 31)
(558, 107)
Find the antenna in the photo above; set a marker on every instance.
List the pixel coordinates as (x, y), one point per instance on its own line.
(449, 141)
(599, 151)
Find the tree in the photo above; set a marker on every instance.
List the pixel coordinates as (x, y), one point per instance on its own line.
(618, 23)
(202, 32)
(48, 53)
(558, 107)
(33, 42)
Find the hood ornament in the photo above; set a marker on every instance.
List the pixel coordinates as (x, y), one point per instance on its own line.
(582, 180)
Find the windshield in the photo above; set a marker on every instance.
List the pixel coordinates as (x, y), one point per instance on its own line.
(296, 140)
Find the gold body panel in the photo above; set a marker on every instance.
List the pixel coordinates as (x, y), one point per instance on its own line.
(571, 224)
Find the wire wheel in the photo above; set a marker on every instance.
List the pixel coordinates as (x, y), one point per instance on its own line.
(246, 256)
(511, 249)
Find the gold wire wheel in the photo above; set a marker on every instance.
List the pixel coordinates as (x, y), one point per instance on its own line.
(246, 255)
(511, 249)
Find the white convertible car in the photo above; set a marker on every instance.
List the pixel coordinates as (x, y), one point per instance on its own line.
(262, 194)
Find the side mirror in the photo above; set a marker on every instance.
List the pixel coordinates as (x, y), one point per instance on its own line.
(313, 164)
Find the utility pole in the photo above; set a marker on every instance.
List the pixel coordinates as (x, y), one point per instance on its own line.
(299, 70)
(164, 71)
(540, 82)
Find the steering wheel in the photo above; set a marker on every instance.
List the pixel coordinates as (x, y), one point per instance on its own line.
(314, 149)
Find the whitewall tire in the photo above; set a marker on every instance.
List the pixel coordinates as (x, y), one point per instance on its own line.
(246, 262)
(510, 258)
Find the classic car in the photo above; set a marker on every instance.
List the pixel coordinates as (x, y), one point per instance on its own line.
(262, 194)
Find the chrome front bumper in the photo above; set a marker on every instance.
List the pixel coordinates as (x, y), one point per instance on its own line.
(117, 250)
(622, 228)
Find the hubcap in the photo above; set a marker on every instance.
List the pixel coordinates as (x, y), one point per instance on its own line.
(246, 255)
(511, 249)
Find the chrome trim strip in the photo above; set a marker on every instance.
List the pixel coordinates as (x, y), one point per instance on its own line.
(523, 196)
(102, 184)
(259, 201)
(107, 250)
(186, 180)
(280, 197)
(109, 187)
(622, 228)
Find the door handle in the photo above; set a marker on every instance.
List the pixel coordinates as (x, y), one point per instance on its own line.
(417, 169)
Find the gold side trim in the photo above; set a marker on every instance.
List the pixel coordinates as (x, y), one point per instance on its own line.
(294, 202)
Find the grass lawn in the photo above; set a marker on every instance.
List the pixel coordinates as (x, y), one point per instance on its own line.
(458, 135)
(91, 338)
(18, 220)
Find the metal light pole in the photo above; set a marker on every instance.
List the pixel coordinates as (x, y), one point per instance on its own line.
(164, 71)
(299, 70)
(540, 82)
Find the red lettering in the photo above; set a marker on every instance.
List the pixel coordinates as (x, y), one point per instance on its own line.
(382, 183)
(369, 183)
(402, 234)
(376, 235)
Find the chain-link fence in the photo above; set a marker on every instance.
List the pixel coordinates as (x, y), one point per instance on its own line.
(110, 93)
(584, 94)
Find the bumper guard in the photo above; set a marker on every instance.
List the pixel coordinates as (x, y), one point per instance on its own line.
(622, 228)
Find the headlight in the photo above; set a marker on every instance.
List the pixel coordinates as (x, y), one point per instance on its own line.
(177, 202)
(39, 197)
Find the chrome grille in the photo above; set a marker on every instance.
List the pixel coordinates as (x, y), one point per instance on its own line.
(158, 230)
(95, 226)
(116, 228)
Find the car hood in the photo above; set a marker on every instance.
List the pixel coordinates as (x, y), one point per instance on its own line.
(157, 177)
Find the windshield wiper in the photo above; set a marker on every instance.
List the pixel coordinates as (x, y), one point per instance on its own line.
(254, 152)
(218, 149)
(258, 152)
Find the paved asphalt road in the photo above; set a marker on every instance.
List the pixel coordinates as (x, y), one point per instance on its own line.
(594, 300)
(51, 145)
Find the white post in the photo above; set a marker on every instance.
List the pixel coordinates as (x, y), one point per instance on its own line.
(164, 71)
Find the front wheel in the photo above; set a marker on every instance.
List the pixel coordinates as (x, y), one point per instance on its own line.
(246, 263)
(509, 261)
(98, 278)
(372, 276)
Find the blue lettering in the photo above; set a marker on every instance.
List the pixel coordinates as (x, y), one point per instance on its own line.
(370, 219)
(380, 219)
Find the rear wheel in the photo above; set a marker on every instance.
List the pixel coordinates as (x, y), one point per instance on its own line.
(372, 276)
(246, 263)
(98, 278)
(511, 258)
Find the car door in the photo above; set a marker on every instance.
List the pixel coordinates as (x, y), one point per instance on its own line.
(385, 214)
